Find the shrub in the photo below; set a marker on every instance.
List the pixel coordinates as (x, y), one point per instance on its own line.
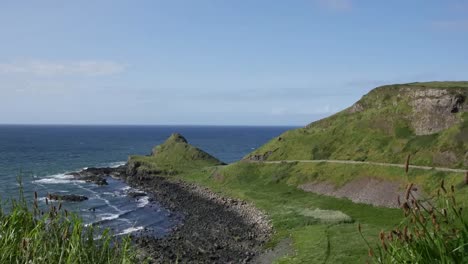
(432, 231)
(31, 235)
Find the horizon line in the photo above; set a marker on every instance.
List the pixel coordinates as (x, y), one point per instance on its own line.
(146, 125)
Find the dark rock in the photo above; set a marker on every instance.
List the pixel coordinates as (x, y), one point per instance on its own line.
(214, 229)
(67, 197)
(99, 180)
(97, 175)
(136, 194)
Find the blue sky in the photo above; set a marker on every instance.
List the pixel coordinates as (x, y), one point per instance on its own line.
(217, 62)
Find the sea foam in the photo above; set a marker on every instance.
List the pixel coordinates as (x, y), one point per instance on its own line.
(130, 230)
(58, 179)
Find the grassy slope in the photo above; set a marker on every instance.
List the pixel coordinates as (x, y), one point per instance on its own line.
(376, 134)
(173, 156)
(272, 188)
(381, 132)
(268, 187)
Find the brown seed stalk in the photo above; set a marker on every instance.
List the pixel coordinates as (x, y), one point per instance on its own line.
(407, 163)
(405, 233)
(442, 186)
(408, 191)
(382, 236)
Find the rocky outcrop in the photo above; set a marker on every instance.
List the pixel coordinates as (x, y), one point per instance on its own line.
(67, 197)
(364, 190)
(435, 110)
(98, 175)
(259, 157)
(136, 194)
(355, 108)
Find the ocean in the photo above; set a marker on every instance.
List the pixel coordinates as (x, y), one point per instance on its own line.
(42, 155)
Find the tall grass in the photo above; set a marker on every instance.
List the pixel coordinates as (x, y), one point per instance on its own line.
(33, 235)
(433, 231)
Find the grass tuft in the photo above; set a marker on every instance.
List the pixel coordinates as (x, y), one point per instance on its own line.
(433, 231)
(53, 235)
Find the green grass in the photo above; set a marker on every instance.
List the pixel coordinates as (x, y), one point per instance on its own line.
(381, 132)
(297, 214)
(30, 235)
(323, 229)
(173, 156)
(433, 231)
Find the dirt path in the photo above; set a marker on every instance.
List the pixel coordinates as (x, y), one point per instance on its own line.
(365, 163)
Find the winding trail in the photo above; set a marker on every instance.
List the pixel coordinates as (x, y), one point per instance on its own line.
(364, 163)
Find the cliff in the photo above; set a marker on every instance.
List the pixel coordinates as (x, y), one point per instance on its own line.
(427, 120)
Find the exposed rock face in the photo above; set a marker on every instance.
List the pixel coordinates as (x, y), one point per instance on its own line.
(67, 197)
(435, 109)
(132, 168)
(357, 107)
(365, 190)
(259, 157)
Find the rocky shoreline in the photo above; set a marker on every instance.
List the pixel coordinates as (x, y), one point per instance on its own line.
(214, 229)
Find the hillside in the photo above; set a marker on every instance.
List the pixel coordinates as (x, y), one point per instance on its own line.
(427, 120)
(173, 156)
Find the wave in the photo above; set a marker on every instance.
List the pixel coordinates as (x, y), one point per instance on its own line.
(126, 188)
(142, 202)
(109, 217)
(114, 164)
(130, 230)
(61, 178)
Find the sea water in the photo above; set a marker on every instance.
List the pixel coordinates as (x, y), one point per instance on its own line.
(43, 155)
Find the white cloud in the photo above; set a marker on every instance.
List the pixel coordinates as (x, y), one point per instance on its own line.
(320, 109)
(338, 5)
(40, 67)
(451, 25)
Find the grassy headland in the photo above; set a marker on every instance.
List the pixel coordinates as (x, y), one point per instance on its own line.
(172, 157)
(427, 120)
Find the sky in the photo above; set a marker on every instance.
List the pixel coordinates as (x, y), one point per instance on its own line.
(217, 62)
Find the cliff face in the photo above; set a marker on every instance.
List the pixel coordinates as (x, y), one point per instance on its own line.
(433, 108)
(426, 120)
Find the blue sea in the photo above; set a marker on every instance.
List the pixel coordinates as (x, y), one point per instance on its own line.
(42, 156)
